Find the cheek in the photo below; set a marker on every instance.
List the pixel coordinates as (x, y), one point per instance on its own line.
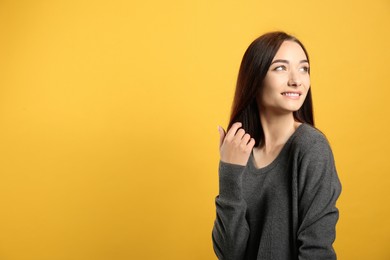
(272, 84)
(307, 81)
(306, 91)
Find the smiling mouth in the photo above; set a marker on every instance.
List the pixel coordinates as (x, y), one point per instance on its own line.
(291, 94)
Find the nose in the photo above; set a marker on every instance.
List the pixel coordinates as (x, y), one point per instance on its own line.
(294, 79)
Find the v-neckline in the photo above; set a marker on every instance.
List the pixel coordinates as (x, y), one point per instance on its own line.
(275, 161)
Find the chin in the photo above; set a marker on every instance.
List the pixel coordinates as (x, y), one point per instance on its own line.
(292, 108)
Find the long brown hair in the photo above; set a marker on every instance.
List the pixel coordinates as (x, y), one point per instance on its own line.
(254, 66)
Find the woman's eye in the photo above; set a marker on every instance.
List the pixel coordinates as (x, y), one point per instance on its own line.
(304, 69)
(280, 68)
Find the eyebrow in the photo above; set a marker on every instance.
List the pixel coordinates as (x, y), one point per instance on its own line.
(286, 61)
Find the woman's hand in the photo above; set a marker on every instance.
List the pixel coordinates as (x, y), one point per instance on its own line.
(235, 146)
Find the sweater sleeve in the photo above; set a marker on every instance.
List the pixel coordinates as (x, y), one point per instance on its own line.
(319, 188)
(230, 232)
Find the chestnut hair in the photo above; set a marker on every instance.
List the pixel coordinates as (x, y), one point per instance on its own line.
(254, 66)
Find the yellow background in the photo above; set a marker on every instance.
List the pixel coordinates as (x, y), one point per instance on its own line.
(109, 114)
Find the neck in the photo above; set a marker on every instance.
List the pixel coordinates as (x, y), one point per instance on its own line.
(277, 130)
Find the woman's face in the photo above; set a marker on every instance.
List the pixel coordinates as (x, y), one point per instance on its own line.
(287, 81)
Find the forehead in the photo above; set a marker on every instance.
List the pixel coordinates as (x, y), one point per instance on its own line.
(290, 50)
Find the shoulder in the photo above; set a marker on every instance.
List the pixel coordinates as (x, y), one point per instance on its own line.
(314, 157)
(310, 139)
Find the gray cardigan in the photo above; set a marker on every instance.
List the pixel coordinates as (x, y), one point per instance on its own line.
(286, 210)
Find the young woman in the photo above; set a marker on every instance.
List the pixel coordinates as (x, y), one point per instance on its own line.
(278, 184)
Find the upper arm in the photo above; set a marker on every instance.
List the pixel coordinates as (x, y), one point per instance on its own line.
(319, 188)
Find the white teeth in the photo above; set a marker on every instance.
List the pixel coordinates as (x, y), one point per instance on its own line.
(290, 94)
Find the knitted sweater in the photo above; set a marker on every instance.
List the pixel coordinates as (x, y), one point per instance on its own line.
(286, 210)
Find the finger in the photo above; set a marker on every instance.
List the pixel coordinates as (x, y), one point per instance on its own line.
(222, 134)
(233, 129)
(251, 144)
(239, 135)
(245, 139)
